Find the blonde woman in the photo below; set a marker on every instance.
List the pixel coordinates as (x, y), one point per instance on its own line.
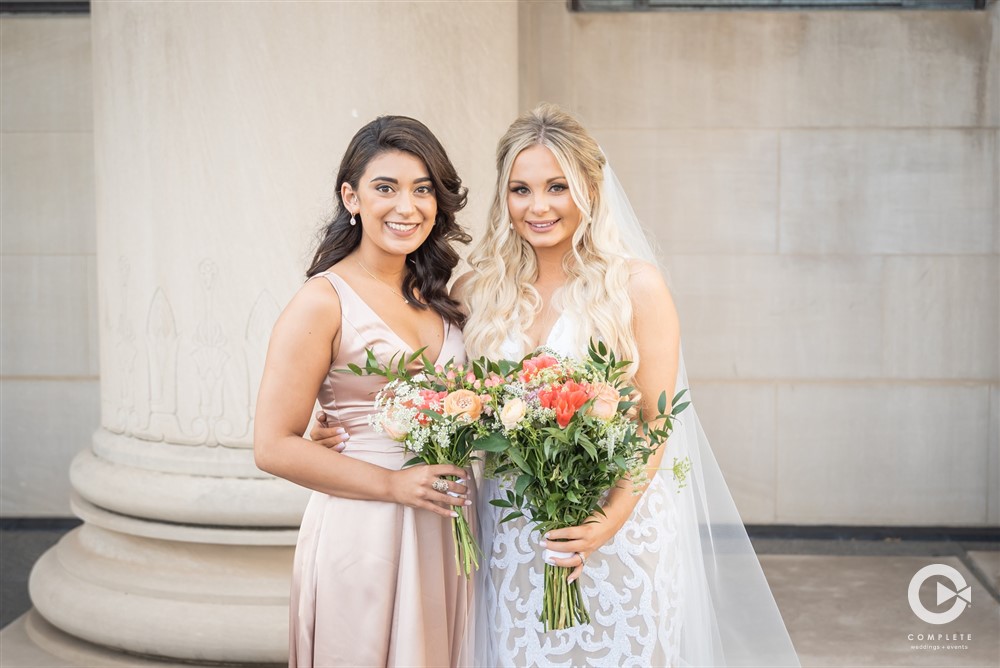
(562, 261)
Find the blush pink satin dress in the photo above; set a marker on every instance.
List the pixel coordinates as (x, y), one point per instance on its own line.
(374, 583)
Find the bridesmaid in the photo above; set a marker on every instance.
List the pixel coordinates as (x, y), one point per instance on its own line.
(374, 581)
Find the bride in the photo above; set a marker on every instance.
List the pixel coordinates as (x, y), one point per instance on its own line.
(669, 575)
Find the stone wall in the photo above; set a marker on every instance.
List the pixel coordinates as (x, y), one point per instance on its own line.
(823, 187)
(48, 362)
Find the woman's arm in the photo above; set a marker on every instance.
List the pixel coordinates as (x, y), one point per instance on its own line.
(657, 336)
(303, 344)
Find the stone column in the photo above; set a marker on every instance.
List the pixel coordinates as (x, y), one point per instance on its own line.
(218, 130)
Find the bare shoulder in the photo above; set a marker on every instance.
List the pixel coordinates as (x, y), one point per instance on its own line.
(653, 306)
(645, 282)
(315, 306)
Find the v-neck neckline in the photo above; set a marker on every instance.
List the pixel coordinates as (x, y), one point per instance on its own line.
(543, 343)
(444, 323)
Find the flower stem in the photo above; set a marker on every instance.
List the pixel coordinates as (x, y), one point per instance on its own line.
(562, 602)
(466, 547)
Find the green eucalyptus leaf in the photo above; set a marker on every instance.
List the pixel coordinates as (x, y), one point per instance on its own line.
(492, 443)
(594, 356)
(550, 507)
(414, 462)
(518, 459)
(523, 481)
(437, 417)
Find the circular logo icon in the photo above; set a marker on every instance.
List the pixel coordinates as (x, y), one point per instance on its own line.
(960, 591)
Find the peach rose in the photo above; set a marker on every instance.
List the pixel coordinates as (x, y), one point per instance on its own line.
(463, 403)
(395, 426)
(605, 402)
(512, 412)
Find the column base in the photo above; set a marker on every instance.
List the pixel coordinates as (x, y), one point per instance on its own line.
(31, 642)
(202, 603)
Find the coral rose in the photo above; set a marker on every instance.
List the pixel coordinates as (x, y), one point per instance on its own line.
(565, 399)
(531, 367)
(463, 403)
(605, 402)
(512, 412)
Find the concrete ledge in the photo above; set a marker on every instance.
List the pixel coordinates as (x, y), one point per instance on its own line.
(185, 498)
(186, 533)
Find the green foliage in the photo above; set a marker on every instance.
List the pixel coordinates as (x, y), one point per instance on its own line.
(494, 442)
(459, 445)
(561, 474)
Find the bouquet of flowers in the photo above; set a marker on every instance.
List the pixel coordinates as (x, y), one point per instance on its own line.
(437, 413)
(569, 432)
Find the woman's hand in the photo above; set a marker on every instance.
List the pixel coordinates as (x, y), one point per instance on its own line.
(327, 435)
(584, 540)
(412, 486)
(415, 487)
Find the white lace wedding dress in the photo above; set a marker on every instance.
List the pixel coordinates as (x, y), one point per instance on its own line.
(657, 596)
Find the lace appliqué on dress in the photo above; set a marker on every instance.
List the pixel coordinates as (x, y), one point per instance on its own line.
(633, 585)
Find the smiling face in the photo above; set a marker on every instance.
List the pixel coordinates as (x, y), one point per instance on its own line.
(539, 200)
(394, 202)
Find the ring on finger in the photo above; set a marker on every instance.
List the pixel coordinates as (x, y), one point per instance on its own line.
(583, 559)
(440, 485)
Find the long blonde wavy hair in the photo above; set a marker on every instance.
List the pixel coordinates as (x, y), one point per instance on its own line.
(504, 266)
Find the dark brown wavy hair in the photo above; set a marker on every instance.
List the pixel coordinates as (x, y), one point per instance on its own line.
(428, 269)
